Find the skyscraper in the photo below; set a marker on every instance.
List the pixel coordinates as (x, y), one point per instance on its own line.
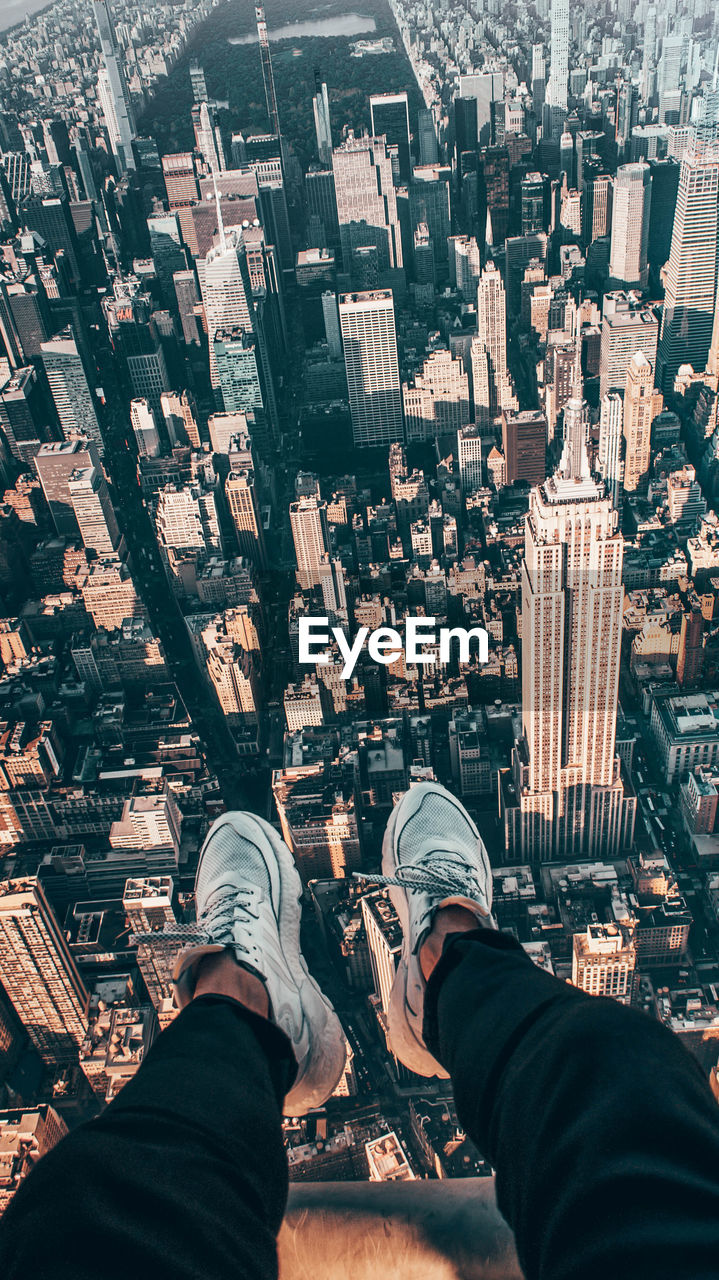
(54, 464)
(267, 73)
(39, 973)
(226, 292)
(556, 95)
(148, 906)
(566, 797)
(389, 113)
(630, 226)
(323, 128)
(627, 326)
(69, 386)
(94, 512)
(492, 333)
(691, 274)
(310, 534)
(469, 455)
(370, 349)
(113, 86)
(640, 406)
(366, 200)
(611, 467)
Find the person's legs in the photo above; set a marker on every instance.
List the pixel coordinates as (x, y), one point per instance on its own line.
(601, 1127)
(602, 1130)
(184, 1175)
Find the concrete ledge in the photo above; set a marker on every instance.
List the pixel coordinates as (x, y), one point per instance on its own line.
(449, 1230)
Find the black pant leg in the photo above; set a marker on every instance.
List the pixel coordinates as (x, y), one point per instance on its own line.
(183, 1176)
(601, 1127)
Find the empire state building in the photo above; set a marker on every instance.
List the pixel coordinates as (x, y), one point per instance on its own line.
(564, 796)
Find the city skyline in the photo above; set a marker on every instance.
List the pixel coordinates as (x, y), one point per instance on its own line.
(408, 327)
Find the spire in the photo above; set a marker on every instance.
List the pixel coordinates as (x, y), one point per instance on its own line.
(574, 463)
(220, 223)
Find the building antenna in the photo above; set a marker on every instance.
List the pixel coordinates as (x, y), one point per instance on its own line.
(220, 223)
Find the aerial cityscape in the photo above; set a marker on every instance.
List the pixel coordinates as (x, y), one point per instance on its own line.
(359, 427)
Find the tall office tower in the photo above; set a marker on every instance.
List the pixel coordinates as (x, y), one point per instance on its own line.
(54, 464)
(226, 293)
(244, 507)
(628, 265)
(429, 202)
(648, 53)
(369, 339)
(366, 200)
(323, 127)
(208, 139)
(142, 421)
(109, 595)
(135, 338)
(389, 114)
(483, 392)
(556, 95)
(567, 797)
(323, 226)
(178, 171)
(691, 274)
(238, 372)
(690, 658)
(567, 164)
(267, 73)
(188, 305)
(438, 401)
(603, 961)
(494, 181)
(597, 190)
(534, 195)
(29, 318)
(167, 251)
(469, 457)
(331, 318)
(39, 973)
(665, 188)
(524, 444)
(118, 94)
(318, 819)
(50, 216)
(627, 326)
(94, 512)
(69, 386)
(11, 341)
(199, 85)
(611, 465)
(427, 137)
(464, 265)
(539, 79)
(310, 534)
(180, 414)
(482, 88)
(22, 413)
(640, 406)
(626, 114)
(147, 903)
(384, 939)
(492, 332)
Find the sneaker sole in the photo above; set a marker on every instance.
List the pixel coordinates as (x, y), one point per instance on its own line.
(404, 1041)
(328, 1052)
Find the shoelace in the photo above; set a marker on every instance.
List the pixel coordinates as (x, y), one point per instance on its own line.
(443, 877)
(222, 912)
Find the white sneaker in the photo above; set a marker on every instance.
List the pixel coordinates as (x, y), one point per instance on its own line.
(432, 856)
(247, 894)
